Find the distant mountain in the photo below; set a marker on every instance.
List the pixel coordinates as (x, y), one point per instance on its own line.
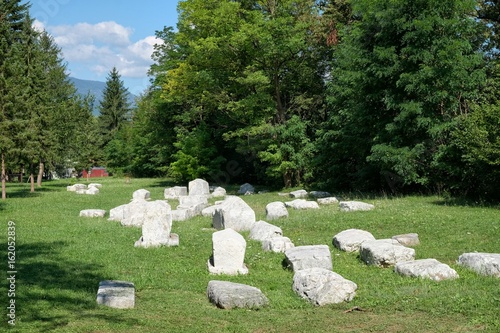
(96, 88)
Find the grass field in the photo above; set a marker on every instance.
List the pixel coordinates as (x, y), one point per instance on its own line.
(61, 257)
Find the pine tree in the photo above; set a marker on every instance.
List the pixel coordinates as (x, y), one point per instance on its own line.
(12, 15)
(114, 107)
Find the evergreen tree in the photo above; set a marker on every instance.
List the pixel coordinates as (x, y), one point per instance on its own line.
(114, 107)
(397, 87)
(12, 15)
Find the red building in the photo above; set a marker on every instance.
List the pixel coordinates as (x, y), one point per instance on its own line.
(95, 172)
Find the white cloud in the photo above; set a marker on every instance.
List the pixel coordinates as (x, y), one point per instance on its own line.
(102, 46)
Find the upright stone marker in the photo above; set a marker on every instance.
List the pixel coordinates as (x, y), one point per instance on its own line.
(228, 253)
(157, 226)
(199, 187)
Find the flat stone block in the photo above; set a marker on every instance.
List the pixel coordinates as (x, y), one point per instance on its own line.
(427, 269)
(116, 294)
(385, 252)
(229, 295)
(482, 263)
(309, 256)
(92, 213)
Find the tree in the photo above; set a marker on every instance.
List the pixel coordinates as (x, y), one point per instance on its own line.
(397, 86)
(12, 15)
(114, 108)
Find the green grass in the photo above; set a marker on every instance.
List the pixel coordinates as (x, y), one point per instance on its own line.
(61, 258)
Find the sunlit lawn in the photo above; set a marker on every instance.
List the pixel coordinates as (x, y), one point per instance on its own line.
(61, 257)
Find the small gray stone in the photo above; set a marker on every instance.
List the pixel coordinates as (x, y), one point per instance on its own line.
(407, 239)
(229, 295)
(385, 252)
(426, 268)
(276, 210)
(351, 206)
(298, 194)
(482, 263)
(246, 189)
(92, 213)
(321, 286)
(350, 240)
(116, 294)
(309, 256)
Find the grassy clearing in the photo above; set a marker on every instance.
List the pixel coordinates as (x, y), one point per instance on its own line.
(61, 258)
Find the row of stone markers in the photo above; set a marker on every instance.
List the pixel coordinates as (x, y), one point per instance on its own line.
(91, 189)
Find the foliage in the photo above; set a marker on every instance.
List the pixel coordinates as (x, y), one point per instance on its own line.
(397, 86)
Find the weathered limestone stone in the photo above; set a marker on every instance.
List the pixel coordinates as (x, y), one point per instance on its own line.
(277, 244)
(426, 268)
(141, 194)
(309, 256)
(385, 252)
(173, 193)
(233, 213)
(302, 204)
(133, 213)
(95, 185)
(116, 294)
(157, 226)
(118, 213)
(228, 253)
(76, 187)
(183, 214)
(219, 192)
(229, 295)
(351, 206)
(262, 230)
(328, 201)
(209, 211)
(482, 263)
(319, 194)
(92, 213)
(276, 210)
(407, 239)
(350, 240)
(199, 187)
(92, 191)
(322, 286)
(298, 194)
(246, 188)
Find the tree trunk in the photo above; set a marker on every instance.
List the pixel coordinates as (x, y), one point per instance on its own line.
(4, 192)
(32, 179)
(40, 174)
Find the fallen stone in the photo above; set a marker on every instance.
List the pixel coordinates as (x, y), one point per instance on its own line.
(246, 188)
(229, 295)
(262, 230)
(302, 204)
(219, 192)
(92, 213)
(319, 194)
(322, 286)
(407, 239)
(141, 194)
(298, 194)
(92, 191)
(95, 185)
(482, 263)
(351, 206)
(309, 256)
(233, 213)
(173, 193)
(385, 252)
(276, 210)
(427, 269)
(277, 244)
(350, 240)
(76, 187)
(328, 201)
(116, 294)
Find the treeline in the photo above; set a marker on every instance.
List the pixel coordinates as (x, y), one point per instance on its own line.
(362, 95)
(368, 95)
(44, 124)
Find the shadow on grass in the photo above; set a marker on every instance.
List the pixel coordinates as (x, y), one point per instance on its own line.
(52, 290)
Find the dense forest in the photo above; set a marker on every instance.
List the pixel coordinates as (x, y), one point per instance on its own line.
(368, 95)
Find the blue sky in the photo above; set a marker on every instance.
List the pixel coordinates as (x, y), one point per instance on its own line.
(97, 35)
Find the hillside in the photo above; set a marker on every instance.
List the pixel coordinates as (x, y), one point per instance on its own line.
(95, 88)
